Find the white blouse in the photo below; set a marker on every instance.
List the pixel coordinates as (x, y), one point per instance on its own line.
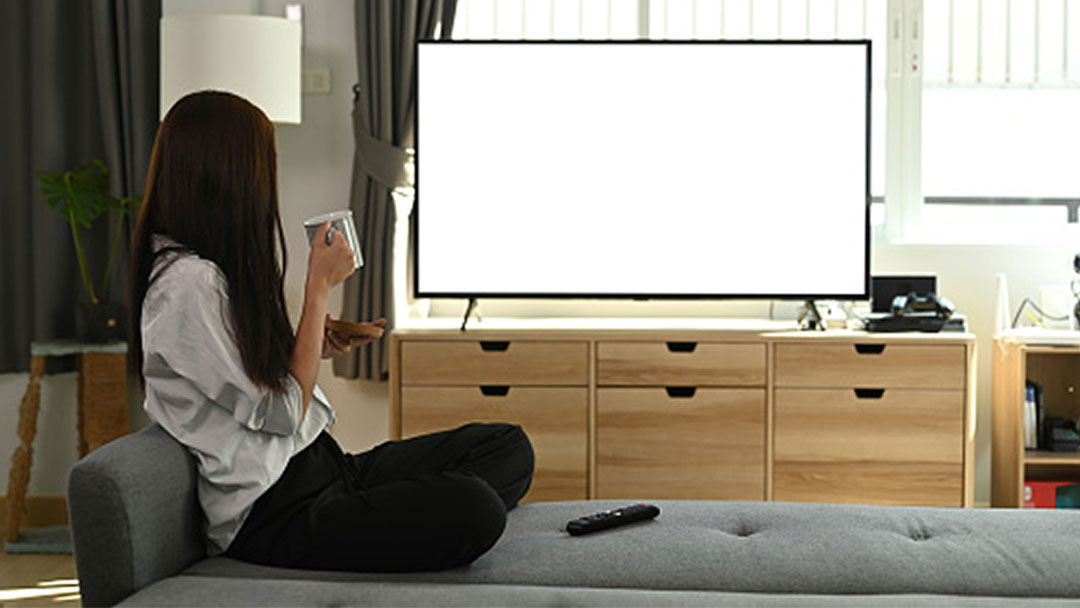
(242, 435)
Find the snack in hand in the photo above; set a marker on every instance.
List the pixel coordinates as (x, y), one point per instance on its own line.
(350, 328)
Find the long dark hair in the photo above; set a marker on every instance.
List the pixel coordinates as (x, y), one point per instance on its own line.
(212, 187)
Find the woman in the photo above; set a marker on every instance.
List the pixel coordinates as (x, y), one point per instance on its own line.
(226, 376)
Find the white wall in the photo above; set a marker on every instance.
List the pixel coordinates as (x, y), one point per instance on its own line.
(315, 165)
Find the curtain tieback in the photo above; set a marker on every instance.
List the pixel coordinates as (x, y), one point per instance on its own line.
(383, 161)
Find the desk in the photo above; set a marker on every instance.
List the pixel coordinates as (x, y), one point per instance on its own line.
(102, 413)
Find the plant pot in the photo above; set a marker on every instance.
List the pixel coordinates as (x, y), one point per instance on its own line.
(103, 322)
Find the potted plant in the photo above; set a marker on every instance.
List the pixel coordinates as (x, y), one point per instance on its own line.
(80, 196)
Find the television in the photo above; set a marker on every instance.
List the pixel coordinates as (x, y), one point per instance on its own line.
(642, 169)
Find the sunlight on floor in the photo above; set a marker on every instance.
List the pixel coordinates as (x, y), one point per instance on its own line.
(60, 590)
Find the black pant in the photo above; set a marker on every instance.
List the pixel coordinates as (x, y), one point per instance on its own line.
(426, 503)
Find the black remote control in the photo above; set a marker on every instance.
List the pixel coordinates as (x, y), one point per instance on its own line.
(612, 518)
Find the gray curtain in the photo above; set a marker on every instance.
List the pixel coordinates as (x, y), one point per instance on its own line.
(81, 82)
(383, 109)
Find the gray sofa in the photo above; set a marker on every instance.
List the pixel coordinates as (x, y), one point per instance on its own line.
(136, 527)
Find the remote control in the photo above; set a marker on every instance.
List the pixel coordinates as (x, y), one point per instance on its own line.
(612, 518)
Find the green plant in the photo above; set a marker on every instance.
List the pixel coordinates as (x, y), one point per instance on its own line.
(80, 196)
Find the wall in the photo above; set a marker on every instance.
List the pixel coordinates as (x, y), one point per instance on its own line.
(315, 160)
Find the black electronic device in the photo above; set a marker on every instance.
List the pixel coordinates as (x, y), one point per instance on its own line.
(1059, 435)
(610, 519)
(929, 324)
(918, 312)
(1076, 307)
(913, 303)
(885, 288)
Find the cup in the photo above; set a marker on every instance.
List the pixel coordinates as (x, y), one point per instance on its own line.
(341, 221)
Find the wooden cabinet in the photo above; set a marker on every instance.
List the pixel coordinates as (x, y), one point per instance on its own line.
(707, 413)
(870, 422)
(1057, 369)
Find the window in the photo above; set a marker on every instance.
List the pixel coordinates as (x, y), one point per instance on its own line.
(1002, 84)
(973, 100)
(693, 19)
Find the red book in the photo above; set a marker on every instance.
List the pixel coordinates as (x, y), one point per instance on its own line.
(1051, 495)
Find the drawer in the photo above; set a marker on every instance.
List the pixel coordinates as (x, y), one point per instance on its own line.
(680, 364)
(896, 446)
(555, 419)
(879, 365)
(706, 445)
(475, 362)
(870, 483)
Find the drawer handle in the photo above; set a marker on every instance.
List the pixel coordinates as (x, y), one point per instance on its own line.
(495, 391)
(681, 347)
(680, 392)
(869, 349)
(869, 393)
(495, 346)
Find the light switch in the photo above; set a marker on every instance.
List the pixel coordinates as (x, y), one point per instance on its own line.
(315, 81)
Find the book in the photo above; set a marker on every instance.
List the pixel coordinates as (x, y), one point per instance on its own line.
(1031, 434)
(1033, 416)
(1051, 495)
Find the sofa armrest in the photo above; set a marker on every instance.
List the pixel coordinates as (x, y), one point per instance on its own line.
(135, 517)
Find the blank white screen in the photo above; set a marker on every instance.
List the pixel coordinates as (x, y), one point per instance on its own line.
(642, 169)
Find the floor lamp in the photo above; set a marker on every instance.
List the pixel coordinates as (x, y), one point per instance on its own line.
(254, 56)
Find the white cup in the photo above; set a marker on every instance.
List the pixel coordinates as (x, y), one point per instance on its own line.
(339, 221)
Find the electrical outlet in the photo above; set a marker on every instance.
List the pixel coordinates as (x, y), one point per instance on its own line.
(315, 81)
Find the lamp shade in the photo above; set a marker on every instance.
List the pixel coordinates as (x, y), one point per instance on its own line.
(253, 56)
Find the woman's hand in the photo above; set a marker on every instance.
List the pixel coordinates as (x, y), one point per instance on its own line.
(336, 343)
(329, 264)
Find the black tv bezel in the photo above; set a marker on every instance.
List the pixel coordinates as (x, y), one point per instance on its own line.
(415, 220)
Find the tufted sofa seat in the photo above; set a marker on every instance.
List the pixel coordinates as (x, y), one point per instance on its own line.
(137, 542)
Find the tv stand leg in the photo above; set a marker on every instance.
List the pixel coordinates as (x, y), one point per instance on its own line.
(810, 318)
(469, 309)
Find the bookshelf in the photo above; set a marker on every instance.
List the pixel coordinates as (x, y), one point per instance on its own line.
(1057, 368)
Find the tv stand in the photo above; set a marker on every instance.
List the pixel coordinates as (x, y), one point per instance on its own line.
(620, 412)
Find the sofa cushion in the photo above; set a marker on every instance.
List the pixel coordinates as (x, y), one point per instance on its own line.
(187, 591)
(138, 530)
(786, 548)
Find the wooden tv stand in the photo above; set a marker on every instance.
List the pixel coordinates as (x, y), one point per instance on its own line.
(706, 413)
